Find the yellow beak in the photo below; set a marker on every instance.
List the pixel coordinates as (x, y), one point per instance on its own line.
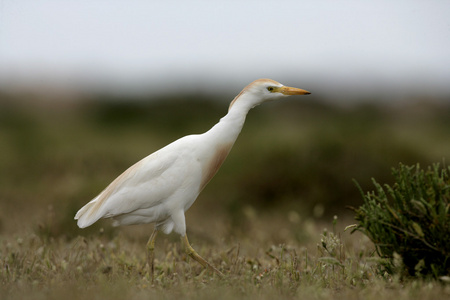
(289, 91)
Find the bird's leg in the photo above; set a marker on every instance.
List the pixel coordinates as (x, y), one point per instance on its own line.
(151, 252)
(192, 253)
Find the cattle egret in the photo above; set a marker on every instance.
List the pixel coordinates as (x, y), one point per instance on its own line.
(162, 186)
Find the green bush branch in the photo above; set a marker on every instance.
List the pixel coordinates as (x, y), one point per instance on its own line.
(411, 218)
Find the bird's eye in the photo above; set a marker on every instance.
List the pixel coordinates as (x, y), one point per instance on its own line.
(270, 88)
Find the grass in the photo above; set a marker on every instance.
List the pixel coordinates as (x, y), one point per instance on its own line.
(261, 221)
(102, 267)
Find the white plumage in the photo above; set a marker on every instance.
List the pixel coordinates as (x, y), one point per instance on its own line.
(162, 186)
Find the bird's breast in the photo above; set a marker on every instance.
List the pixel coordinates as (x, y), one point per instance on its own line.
(213, 163)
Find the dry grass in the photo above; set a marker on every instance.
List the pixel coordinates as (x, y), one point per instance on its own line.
(309, 265)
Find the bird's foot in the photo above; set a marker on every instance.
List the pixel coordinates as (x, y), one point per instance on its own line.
(193, 254)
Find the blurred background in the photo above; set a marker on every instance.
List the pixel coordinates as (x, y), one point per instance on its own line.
(87, 88)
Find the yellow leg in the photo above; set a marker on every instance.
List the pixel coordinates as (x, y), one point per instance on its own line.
(151, 252)
(192, 253)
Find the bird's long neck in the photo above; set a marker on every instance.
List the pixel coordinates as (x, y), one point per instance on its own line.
(220, 139)
(229, 126)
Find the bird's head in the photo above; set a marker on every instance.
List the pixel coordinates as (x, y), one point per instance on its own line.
(262, 90)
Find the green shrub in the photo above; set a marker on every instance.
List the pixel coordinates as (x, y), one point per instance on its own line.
(409, 222)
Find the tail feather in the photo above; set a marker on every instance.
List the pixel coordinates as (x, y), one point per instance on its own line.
(84, 217)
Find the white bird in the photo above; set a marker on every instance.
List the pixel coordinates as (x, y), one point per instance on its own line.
(162, 186)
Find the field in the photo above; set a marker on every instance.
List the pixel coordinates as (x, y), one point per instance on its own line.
(272, 220)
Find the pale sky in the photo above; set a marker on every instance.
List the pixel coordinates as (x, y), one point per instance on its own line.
(329, 46)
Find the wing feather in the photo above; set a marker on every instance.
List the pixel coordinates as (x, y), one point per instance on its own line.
(121, 195)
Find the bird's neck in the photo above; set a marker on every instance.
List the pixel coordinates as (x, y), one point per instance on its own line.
(231, 124)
